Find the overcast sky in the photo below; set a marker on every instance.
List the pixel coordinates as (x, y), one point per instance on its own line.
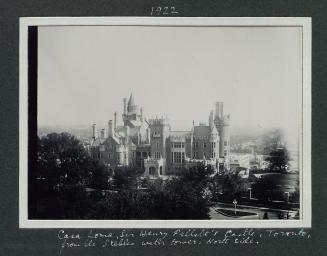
(84, 72)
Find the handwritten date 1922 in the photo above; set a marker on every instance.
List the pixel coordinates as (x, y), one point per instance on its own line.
(163, 10)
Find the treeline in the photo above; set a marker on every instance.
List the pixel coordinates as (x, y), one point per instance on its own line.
(262, 144)
(68, 184)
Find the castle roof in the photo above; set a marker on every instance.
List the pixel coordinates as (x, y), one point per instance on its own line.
(97, 142)
(135, 123)
(202, 130)
(131, 102)
(181, 134)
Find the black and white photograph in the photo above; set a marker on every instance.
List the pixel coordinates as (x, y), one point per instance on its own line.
(132, 122)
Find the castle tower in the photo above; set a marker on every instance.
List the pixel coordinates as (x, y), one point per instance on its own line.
(132, 108)
(222, 123)
(159, 132)
(213, 138)
(132, 112)
(159, 128)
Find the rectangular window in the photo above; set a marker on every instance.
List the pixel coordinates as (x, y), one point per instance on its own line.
(225, 143)
(157, 145)
(177, 157)
(133, 154)
(225, 152)
(195, 145)
(144, 154)
(178, 145)
(196, 154)
(213, 145)
(204, 144)
(183, 157)
(182, 144)
(213, 155)
(138, 154)
(172, 157)
(109, 155)
(156, 155)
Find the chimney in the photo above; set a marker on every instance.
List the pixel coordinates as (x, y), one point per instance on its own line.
(110, 129)
(141, 110)
(102, 133)
(219, 110)
(125, 106)
(93, 131)
(211, 122)
(115, 121)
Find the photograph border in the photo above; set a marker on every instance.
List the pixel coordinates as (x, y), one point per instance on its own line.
(305, 144)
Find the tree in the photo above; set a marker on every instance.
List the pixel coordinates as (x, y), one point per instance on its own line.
(177, 198)
(63, 169)
(62, 160)
(271, 140)
(263, 187)
(233, 186)
(126, 177)
(278, 159)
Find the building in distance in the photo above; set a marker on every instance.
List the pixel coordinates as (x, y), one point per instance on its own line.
(152, 145)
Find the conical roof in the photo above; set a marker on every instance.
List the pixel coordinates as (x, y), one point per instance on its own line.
(131, 102)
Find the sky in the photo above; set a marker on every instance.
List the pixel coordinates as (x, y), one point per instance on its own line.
(84, 72)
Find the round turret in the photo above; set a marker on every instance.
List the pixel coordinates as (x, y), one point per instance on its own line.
(131, 106)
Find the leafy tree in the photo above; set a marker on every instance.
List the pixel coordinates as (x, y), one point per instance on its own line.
(126, 177)
(263, 187)
(278, 159)
(272, 140)
(63, 169)
(61, 159)
(177, 198)
(233, 186)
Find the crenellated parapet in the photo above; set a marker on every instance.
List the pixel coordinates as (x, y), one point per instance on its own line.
(226, 120)
(158, 121)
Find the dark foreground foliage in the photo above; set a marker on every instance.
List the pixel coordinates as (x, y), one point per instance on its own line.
(68, 184)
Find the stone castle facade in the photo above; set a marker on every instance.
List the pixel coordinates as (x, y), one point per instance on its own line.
(151, 144)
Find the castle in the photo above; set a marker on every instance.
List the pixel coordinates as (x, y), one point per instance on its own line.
(152, 145)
